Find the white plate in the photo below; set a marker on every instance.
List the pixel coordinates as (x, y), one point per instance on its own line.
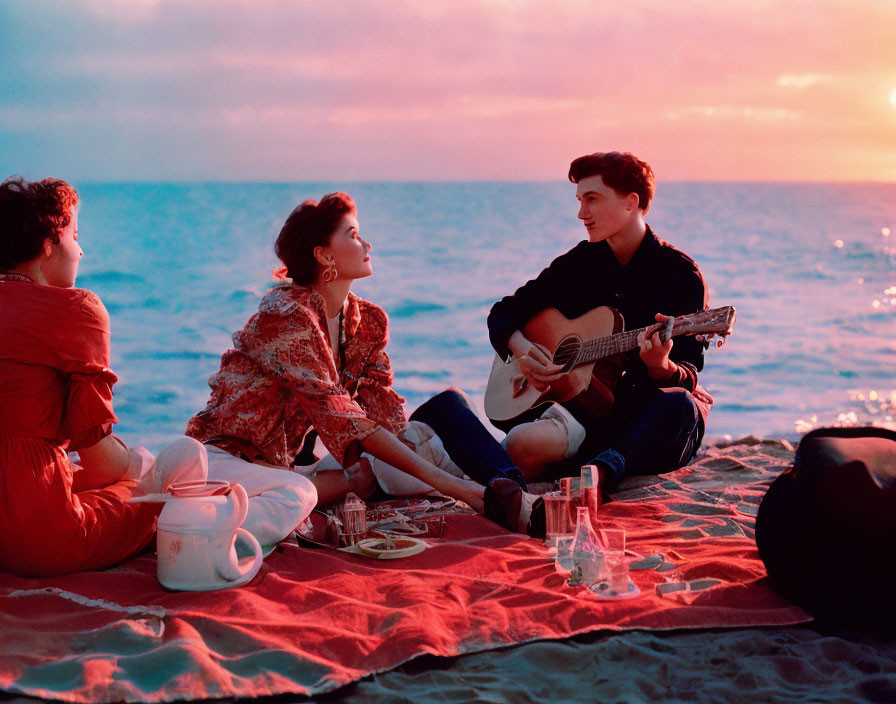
(373, 547)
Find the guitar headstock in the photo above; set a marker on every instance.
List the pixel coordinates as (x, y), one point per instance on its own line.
(717, 324)
(711, 340)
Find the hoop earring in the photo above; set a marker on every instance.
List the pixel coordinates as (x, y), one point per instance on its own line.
(330, 274)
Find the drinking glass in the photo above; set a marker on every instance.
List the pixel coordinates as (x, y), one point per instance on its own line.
(617, 564)
(590, 492)
(354, 520)
(571, 487)
(556, 512)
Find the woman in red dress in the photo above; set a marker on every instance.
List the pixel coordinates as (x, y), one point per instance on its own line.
(56, 397)
(313, 356)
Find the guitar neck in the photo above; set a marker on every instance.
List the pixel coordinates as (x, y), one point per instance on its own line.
(710, 322)
(602, 347)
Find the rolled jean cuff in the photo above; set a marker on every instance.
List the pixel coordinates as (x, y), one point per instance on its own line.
(614, 462)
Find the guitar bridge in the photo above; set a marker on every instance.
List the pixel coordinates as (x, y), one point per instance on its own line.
(520, 384)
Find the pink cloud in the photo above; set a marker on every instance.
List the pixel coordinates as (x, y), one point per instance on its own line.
(465, 89)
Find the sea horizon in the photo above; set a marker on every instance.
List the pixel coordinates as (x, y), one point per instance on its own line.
(407, 181)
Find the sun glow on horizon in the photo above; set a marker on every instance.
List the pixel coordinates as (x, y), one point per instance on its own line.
(893, 98)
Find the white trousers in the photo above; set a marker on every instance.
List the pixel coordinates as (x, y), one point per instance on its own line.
(183, 460)
(392, 480)
(279, 499)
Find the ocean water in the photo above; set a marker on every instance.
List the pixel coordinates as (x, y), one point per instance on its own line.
(811, 270)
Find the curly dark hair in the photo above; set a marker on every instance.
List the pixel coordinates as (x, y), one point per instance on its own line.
(310, 225)
(621, 171)
(30, 213)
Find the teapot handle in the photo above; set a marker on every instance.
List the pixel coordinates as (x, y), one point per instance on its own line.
(230, 569)
(240, 505)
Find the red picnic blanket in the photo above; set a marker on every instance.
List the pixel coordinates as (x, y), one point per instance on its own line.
(314, 620)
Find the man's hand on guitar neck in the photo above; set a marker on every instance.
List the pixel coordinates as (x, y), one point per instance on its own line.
(654, 350)
(535, 361)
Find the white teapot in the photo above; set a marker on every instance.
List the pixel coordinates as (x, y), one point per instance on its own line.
(197, 534)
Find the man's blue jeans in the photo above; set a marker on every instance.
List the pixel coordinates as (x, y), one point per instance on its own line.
(661, 436)
(466, 440)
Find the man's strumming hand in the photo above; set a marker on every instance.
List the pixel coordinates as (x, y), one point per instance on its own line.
(535, 361)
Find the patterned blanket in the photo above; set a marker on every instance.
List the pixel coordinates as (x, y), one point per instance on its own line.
(314, 620)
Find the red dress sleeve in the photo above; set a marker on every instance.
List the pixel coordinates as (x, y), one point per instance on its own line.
(87, 415)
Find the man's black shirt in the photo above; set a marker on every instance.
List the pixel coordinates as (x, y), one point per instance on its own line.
(658, 279)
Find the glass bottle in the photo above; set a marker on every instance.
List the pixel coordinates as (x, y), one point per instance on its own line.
(587, 555)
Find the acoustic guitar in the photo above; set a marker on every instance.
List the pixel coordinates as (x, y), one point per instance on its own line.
(577, 345)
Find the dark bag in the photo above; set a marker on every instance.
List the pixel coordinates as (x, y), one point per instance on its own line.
(826, 528)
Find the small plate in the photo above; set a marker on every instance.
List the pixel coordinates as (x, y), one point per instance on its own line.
(403, 547)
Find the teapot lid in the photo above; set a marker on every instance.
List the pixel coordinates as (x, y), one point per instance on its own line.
(195, 487)
(196, 514)
(200, 487)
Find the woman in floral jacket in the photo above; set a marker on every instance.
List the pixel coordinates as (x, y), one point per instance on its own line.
(313, 356)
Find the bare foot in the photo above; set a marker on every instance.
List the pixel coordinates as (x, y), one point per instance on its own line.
(476, 498)
(363, 481)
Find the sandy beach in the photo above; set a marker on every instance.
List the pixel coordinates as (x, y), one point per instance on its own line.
(807, 663)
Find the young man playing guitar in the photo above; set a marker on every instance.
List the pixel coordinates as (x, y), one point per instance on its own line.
(653, 420)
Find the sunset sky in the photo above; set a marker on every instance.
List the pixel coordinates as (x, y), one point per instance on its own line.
(234, 90)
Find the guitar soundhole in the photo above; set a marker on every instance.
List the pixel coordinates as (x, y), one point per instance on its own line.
(567, 352)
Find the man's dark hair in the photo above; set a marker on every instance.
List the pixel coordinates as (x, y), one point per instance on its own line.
(621, 171)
